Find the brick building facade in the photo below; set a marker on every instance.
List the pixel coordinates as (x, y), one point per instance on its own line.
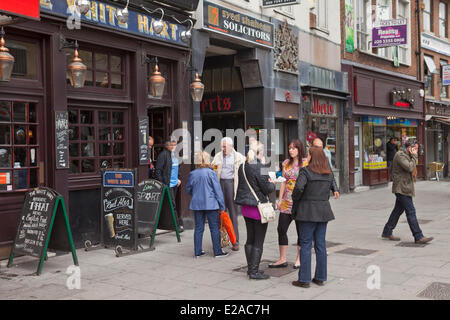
(386, 97)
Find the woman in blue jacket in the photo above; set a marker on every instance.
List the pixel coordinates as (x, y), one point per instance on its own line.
(206, 202)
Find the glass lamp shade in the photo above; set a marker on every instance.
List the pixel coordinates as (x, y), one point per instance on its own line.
(157, 83)
(76, 72)
(197, 88)
(6, 62)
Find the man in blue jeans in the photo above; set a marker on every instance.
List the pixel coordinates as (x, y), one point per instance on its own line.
(404, 164)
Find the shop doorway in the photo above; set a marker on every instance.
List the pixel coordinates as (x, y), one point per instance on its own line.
(358, 154)
(287, 131)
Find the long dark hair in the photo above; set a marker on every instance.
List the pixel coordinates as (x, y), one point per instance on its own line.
(319, 162)
(301, 151)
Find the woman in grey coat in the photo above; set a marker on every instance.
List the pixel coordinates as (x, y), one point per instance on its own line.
(312, 212)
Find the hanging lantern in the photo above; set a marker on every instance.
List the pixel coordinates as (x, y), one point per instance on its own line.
(197, 88)
(76, 71)
(6, 60)
(157, 83)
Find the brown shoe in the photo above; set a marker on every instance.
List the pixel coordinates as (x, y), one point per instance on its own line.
(424, 240)
(318, 282)
(392, 238)
(301, 284)
(235, 248)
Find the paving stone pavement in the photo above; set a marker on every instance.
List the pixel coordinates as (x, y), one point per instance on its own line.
(171, 272)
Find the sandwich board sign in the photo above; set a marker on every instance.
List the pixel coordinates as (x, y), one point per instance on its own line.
(154, 209)
(43, 225)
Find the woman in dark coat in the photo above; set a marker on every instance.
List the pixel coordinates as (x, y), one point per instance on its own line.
(262, 186)
(312, 212)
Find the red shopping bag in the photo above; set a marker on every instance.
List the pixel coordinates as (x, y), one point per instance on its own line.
(226, 221)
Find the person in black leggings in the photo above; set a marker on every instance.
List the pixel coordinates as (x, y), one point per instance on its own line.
(262, 186)
(290, 167)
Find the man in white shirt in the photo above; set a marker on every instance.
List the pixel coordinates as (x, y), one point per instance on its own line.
(226, 164)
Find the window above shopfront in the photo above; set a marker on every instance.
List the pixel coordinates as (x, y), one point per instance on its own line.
(443, 20)
(443, 88)
(367, 14)
(221, 80)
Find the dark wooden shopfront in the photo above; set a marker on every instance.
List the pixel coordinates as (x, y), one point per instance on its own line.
(372, 96)
(103, 115)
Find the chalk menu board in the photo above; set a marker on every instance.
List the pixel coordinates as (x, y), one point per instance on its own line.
(34, 222)
(62, 139)
(118, 207)
(143, 140)
(148, 203)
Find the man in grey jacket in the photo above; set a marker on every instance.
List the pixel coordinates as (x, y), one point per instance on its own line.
(403, 166)
(226, 164)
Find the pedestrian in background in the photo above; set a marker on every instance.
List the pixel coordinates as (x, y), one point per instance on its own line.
(403, 167)
(319, 143)
(167, 172)
(312, 212)
(250, 175)
(392, 149)
(151, 167)
(206, 202)
(226, 164)
(290, 168)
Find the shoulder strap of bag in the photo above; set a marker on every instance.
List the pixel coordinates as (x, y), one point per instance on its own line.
(251, 189)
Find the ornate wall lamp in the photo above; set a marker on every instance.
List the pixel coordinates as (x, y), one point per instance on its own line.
(197, 89)
(76, 70)
(157, 81)
(6, 60)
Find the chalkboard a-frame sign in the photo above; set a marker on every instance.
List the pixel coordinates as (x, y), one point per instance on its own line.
(43, 225)
(118, 208)
(154, 209)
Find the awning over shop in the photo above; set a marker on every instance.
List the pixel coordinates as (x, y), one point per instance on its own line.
(9, 10)
(430, 64)
(442, 119)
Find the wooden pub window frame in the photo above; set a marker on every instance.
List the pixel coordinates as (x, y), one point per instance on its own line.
(12, 145)
(21, 82)
(98, 89)
(97, 158)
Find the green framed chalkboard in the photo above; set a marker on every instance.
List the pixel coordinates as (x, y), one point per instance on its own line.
(43, 224)
(154, 209)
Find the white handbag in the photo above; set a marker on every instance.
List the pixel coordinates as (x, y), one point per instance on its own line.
(266, 210)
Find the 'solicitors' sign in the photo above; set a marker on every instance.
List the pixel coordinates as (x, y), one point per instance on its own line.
(237, 25)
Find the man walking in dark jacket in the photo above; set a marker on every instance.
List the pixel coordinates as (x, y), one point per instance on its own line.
(405, 162)
(167, 171)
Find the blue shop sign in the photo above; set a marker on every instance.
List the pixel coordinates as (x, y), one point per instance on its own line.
(118, 178)
(103, 14)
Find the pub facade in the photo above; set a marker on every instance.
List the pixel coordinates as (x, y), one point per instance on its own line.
(102, 117)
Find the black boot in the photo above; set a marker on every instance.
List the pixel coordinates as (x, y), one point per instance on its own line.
(248, 253)
(255, 259)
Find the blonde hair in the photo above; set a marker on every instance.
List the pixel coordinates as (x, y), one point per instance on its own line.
(255, 148)
(202, 160)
